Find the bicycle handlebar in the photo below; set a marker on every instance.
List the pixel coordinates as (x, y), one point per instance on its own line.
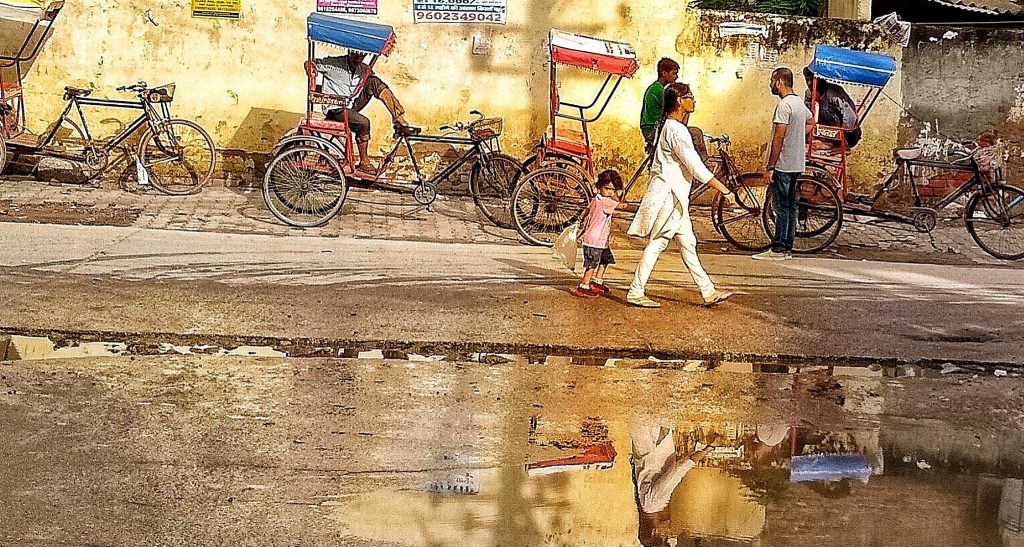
(134, 88)
(462, 126)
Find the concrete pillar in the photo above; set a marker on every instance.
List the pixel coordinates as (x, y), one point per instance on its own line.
(850, 9)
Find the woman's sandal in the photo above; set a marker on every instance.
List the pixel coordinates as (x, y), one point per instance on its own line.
(643, 302)
(717, 298)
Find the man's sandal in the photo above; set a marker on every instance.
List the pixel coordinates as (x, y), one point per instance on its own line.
(717, 298)
(642, 302)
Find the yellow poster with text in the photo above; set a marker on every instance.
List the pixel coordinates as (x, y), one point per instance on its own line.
(217, 9)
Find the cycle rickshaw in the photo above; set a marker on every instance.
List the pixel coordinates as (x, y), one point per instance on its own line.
(559, 184)
(176, 155)
(994, 210)
(308, 177)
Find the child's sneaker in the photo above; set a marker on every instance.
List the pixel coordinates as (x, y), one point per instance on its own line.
(599, 287)
(584, 293)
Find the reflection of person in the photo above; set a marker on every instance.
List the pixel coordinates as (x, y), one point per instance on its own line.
(787, 159)
(657, 470)
(653, 111)
(342, 75)
(835, 107)
(664, 213)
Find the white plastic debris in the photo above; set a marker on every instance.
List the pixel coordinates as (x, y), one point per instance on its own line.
(921, 464)
(1000, 372)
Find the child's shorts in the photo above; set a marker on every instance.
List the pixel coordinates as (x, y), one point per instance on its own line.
(593, 257)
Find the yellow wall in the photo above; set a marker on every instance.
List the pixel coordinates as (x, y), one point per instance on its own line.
(244, 82)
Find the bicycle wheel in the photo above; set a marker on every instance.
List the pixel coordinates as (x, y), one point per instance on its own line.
(741, 224)
(546, 202)
(492, 182)
(179, 157)
(304, 186)
(995, 220)
(819, 216)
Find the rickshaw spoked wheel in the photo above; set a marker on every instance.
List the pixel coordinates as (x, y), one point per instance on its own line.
(819, 215)
(304, 186)
(546, 202)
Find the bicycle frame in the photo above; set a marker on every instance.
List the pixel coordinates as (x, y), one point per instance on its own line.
(904, 167)
(150, 116)
(477, 149)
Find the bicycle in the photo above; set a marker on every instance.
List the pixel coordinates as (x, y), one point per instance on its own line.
(306, 181)
(550, 198)
(177, 155)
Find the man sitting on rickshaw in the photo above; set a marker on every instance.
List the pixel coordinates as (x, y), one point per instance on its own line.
(835, 108)
(342, 76)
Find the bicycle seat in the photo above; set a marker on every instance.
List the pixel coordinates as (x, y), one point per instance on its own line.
(70, 92)
(910, 153)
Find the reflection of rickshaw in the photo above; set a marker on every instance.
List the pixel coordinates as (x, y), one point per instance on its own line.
(307, 179)
(557, 189)
(176, 156)
(994, 211)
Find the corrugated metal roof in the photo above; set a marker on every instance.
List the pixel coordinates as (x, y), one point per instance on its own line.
(991, 7)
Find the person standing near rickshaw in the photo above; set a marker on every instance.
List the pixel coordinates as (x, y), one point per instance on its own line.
(792, 124)
(653, 111)
(342, 76)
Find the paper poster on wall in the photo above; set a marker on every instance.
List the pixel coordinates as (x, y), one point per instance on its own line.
(217, 9)
(460, 11)
(351, 7)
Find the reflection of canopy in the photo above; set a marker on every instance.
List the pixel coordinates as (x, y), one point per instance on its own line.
(347, 33)
(24, 3)
(605, 56)
(826, 467)
(846, 66)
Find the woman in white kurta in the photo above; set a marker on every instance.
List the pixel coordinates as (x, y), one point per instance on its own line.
(664, 213)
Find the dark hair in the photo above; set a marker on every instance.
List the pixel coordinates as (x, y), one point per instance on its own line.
(609, 177)
(784, 75)
(674, 94)
(667, 65)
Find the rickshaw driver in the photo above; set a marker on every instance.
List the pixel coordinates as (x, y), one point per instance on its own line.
(342, 75)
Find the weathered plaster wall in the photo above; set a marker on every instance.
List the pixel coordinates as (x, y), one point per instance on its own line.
(243, 79)
(960, 83)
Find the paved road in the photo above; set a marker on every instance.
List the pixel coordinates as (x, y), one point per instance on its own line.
(134, 280)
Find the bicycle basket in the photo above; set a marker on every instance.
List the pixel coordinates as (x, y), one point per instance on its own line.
(162, 94)
(487, 128)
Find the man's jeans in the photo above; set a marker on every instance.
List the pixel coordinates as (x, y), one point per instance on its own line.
(783, 192)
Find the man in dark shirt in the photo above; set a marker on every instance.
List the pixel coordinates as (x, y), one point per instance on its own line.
(653, 112)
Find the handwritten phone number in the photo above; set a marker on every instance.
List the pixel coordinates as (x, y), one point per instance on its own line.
(459, 17)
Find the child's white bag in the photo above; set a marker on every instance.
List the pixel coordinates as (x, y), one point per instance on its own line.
(566, 244)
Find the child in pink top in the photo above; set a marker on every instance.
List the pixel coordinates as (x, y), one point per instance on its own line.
(595, 234)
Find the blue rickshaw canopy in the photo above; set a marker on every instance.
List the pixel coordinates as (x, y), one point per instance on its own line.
(350, 34)
(846, 66)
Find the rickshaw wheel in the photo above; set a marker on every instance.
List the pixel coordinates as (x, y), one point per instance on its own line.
(819, 216)
(995, 220)
(546, 202)
(304, 186)
(492, 182)
(742, 225)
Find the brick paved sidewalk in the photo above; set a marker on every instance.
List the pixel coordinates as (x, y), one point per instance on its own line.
(386, 215)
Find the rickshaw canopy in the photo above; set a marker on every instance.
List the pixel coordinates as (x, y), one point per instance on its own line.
(846, 66)
(609, 57)
(361, 36)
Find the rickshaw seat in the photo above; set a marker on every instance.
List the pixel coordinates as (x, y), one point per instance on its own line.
(568, 141)
(321, 124)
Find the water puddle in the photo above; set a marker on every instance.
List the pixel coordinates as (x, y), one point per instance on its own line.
(687, 484)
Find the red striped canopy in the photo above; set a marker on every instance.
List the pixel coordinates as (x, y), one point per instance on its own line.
(594, 54)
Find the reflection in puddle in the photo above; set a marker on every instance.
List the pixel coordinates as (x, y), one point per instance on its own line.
(706, 484)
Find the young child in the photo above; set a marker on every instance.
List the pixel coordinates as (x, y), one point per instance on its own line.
(596, 231)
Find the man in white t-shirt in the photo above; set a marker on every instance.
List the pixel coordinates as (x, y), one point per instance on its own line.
(787, 159)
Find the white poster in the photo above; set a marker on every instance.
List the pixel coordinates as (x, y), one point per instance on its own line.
(460, 11)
